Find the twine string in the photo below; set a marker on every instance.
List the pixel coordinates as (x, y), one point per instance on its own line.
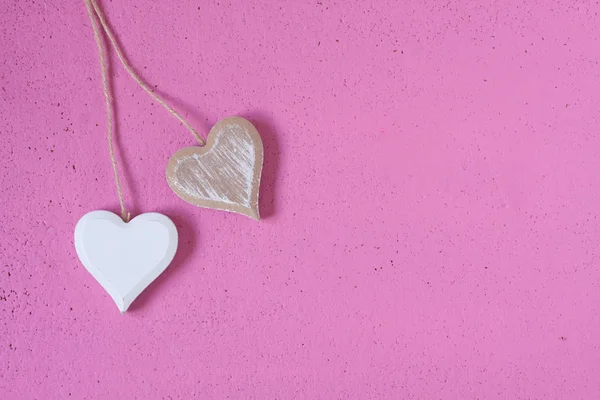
(98, 21)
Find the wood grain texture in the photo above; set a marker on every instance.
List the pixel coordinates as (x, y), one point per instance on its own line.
(225, 173)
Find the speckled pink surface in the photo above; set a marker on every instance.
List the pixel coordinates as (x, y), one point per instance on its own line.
(430, 193)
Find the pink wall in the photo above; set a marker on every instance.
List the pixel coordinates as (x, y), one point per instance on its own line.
(431, 201)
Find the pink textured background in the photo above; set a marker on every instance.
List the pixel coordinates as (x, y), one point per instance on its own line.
(430, 193)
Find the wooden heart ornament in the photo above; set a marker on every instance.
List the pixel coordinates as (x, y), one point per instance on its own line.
(225, 173)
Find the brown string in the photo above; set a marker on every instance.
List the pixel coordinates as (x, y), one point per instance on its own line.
(96, 16)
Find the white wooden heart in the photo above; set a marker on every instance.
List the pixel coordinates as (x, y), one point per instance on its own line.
(125, 257)
(225, 173)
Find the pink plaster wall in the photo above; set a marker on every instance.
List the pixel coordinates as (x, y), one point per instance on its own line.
(430, 193)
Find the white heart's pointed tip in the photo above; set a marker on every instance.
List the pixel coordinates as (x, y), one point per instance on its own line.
(121, 306)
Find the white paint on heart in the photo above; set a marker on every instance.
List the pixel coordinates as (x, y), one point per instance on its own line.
(230, 163)
(125, 257)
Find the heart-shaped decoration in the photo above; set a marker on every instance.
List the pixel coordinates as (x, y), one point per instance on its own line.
(225, 173)
(125, 257)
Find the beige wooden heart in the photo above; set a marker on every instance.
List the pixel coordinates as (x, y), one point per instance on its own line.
(225, 173)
